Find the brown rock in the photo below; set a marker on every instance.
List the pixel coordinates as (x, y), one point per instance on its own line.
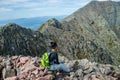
(47, 77)
(11, 78)
(9, 72)
(94, 77)
(24, 59)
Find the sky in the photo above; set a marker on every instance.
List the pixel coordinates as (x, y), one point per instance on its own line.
(13, 9)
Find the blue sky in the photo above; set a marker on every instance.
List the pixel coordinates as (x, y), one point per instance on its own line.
(11, 9)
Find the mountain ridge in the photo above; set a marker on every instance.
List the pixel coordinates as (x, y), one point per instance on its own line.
(92, 23)
(16, 40)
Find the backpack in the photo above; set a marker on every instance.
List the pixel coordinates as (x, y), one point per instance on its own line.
(45, 60)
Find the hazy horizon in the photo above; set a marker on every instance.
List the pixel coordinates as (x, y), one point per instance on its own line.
(14, 9)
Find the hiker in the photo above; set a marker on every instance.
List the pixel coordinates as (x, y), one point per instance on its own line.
(53, 63)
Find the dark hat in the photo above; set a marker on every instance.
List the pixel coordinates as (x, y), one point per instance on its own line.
(53, 45)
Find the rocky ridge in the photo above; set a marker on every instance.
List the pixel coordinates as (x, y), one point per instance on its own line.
(29, 68)
(16, 40)
(90, 32)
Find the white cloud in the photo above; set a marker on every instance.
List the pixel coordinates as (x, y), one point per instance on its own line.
(5, 9)
(39, 3)
(10, 2)
(82, 3)
(54, 1)
(27, 5)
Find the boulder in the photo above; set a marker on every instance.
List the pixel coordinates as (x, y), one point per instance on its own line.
(22, 76)
(93, 77)
(47, 77)
(11, 78)
(23, 60)
(28, 69)
(9, 72)
(1, 68)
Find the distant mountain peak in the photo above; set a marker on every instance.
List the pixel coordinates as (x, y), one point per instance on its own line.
(11, 25)
(50, 23)
(32, 23)
(53, 19)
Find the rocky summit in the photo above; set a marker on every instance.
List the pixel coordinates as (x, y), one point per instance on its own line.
(91, 32)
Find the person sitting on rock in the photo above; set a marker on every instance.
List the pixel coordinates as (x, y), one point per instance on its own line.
(54, 63)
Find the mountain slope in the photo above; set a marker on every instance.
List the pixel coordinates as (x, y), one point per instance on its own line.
(74, 45)
(91, 32)
(16, 40)
(98, 21)
(103, 13)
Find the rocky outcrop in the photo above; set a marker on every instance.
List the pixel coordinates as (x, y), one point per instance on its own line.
(30, 68)
(52, 22)
(15, 40)
(91, 32)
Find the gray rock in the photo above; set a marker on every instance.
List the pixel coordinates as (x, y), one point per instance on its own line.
(89, 70)
(1, 68)
(87, 77)
(9, 73)
(72, 74)
(84, 62)
(41, 73)
(79, 73)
